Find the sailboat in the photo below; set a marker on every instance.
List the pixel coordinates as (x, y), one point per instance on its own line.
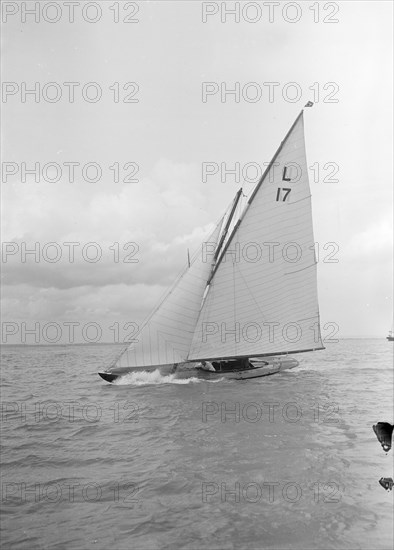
(390, 337)
(248, 297)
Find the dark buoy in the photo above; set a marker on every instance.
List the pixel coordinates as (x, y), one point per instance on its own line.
(387, 483)
(384, 433)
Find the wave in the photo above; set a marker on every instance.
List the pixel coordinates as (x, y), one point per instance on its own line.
(155, 377)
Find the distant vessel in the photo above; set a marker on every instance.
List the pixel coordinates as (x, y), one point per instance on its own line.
(231, 308)
(390, 337)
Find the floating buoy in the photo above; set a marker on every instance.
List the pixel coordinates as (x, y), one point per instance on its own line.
(384, 433)
(387, 483)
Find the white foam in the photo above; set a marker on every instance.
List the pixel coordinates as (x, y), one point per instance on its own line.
(153, 377)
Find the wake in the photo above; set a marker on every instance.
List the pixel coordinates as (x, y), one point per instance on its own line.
(155, 377)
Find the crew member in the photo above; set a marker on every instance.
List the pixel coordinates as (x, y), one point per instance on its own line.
(206, 365)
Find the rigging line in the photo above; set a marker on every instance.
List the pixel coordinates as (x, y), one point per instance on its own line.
(302, 269)
(119, 355)
(300, 200)
(306, 319)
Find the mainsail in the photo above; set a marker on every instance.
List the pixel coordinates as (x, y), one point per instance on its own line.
(262, 298)
(256, 294)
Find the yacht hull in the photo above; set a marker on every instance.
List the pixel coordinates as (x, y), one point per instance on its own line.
(258, 368)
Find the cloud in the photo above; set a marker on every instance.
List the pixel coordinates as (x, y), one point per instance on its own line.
(131, 234)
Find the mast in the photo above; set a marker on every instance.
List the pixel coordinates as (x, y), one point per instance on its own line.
(224, 234)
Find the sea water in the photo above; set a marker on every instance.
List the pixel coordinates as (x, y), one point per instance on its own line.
(286, 461)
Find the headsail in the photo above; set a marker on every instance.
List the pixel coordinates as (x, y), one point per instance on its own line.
(166, 336)
(262, 298)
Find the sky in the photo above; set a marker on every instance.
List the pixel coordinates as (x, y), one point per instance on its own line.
(121, 152)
